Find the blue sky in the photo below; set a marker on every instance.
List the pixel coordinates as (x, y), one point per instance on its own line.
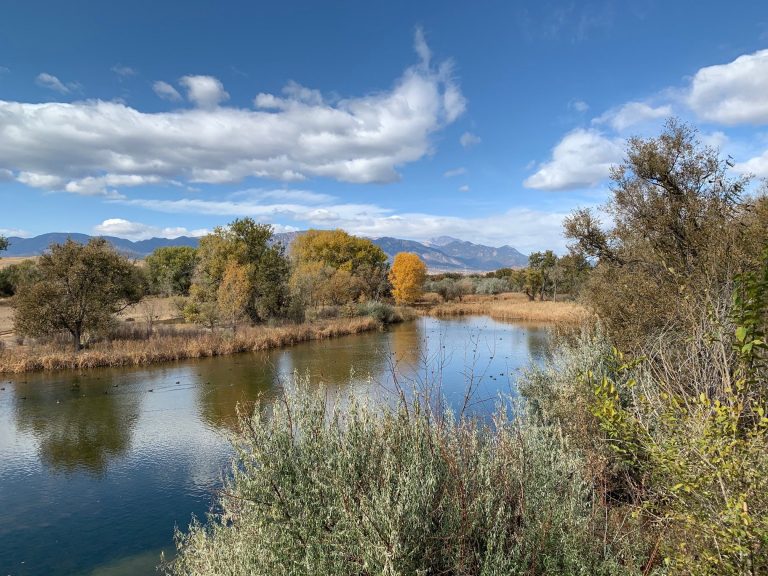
(488, 121)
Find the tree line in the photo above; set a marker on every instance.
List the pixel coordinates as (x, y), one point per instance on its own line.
(238, 274)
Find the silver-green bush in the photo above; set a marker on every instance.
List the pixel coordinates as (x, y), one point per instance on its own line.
(399, 490)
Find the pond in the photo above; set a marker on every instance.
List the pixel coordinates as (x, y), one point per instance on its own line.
(98, 467)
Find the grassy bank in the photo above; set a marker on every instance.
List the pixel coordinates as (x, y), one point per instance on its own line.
(177, 346)
(512, 307)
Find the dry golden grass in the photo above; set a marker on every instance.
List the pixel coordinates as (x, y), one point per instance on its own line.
(510, 306)
(6, 261)
(161, 308)
(176, 347)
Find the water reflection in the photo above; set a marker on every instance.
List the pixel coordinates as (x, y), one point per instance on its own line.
(224, 386)
(97, 468)
(79, 428)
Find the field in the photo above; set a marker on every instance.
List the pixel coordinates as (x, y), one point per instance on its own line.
(512, 307)
(6, 261)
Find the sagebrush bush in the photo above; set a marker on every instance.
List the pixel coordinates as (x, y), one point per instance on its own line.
(400, 490)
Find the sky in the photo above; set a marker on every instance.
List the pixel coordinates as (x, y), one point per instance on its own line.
(487, 121)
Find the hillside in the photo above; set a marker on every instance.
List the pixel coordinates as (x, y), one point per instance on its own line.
(444, 254)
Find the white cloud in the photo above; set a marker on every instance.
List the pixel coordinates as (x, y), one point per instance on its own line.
(138, 231)
(166, 91)
(14, 232)
(38, 180)
(522, 228)
(421, 47)
(6, 175)
(733, 93)
(468, 140)
(455, 172)
(51, 82)
(363, 139)
(464, 188)
(4, 70)
(204, 91)
(579, 105)
(124, 71)
(716, 139)
(757, 166)
(581, 159)
(632, 113)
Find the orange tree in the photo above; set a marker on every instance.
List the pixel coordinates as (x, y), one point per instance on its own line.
(407, 276)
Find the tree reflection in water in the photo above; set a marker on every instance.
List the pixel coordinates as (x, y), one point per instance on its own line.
(77, 432)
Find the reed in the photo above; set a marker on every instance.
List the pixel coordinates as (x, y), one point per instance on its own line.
(169, 346)
(513, 307)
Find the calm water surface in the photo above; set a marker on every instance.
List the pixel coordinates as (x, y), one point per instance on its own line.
(97, 468)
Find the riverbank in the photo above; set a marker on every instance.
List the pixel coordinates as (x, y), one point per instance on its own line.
(512, 307)
(181, 346)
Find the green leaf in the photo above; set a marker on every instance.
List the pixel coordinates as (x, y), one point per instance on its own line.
(741, 333)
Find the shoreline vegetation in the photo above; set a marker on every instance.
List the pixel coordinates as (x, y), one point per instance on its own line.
(177, 345)
(174, 342)
(512, 307)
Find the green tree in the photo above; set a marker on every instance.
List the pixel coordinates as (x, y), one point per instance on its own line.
(680, 232)
(250, 245)
(15, 276)
(79, 288)
(170, 269)
(3, 243)
(542, 265)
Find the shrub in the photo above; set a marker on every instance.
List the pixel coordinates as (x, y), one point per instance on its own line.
(381, 312)
(320, 490)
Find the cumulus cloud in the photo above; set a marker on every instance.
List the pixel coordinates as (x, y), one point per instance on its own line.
(581, 159)
(138, 231)
(468, 140)
(204, 91)
(733, 93)
(166, 91)
(633, 113)
(51, 82)
(464, 188)
(364, 139)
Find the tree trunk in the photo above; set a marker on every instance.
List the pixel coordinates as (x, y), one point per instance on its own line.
(76, 340)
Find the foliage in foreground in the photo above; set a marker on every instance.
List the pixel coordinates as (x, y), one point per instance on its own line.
(683, 444)
(321, 490)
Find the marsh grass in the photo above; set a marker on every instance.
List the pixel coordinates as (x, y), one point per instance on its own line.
(174, 343)
(513, 307)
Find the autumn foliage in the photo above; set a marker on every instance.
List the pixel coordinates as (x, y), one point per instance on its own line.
(407, 276)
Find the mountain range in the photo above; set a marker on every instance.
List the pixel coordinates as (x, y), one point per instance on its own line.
(443, 254)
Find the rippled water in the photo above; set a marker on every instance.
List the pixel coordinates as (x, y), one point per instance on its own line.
(97, 468)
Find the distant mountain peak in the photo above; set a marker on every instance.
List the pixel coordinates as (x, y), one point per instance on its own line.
(442, 241)
(443, 254)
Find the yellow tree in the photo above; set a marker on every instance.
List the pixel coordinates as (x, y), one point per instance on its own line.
(362, 264)
(233, 293)
(407, 276)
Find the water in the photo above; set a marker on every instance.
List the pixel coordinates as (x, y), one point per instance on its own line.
(97, 468)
